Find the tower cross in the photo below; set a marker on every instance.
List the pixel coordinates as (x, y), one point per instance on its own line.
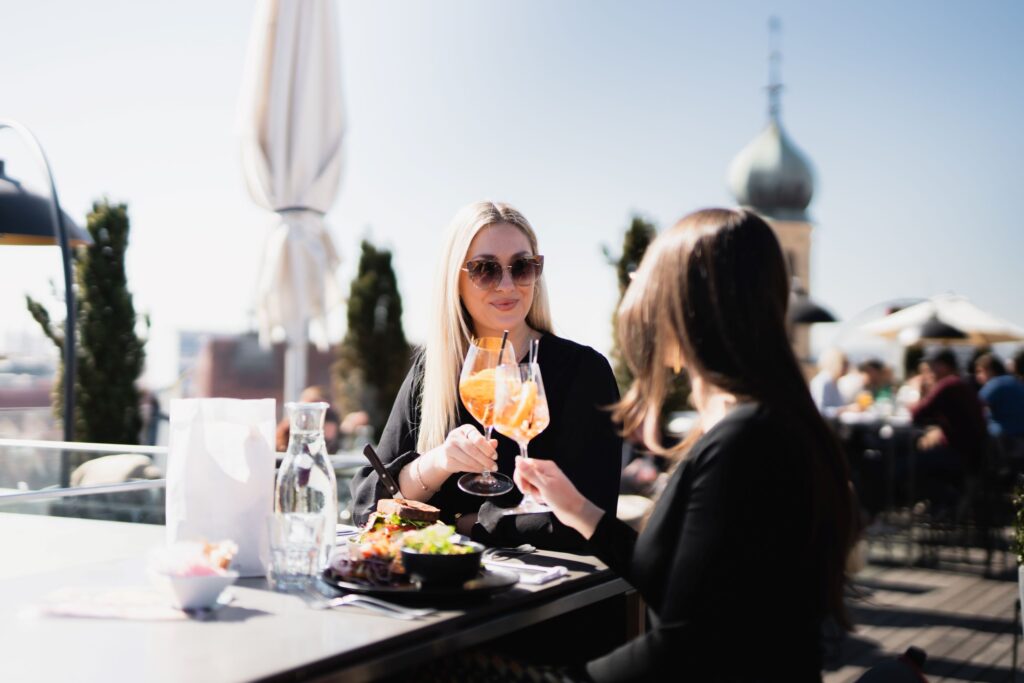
(774, 69)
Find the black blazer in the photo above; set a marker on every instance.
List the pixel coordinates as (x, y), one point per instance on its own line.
(580, 437)
(726, 562)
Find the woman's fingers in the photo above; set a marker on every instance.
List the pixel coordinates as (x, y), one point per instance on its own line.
(480, 448)
(521, 479)
(524, 483)
(470, 450)
(547, 481)
(531, 475)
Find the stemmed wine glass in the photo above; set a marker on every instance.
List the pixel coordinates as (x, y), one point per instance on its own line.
(476, 389)
(521, 413)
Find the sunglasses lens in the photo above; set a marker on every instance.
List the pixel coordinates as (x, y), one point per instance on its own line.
(484, 274)
(525, 271)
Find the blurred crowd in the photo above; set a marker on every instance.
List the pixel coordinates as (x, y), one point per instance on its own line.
(965, 421)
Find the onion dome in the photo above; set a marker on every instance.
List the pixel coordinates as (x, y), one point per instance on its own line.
(772, 176)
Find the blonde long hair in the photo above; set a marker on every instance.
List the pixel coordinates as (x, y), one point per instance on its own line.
(451, 327)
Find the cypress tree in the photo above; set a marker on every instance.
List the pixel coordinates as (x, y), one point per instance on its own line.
(638, 237)
(109, 354)
(374, 356)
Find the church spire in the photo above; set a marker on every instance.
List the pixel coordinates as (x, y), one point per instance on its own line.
(774, 68)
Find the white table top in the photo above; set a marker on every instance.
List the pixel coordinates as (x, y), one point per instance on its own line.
(259, 635)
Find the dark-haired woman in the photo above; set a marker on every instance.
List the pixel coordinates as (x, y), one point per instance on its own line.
(743, 555)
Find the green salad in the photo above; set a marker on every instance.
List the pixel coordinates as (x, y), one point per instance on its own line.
(436, 539)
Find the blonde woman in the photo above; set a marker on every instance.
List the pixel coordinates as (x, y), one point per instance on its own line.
(491, 279)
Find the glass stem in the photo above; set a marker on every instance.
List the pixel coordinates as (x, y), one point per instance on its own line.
(486, 474)
(527, 498)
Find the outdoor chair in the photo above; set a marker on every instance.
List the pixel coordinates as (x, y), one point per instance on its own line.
(131, 506)
(977, 520)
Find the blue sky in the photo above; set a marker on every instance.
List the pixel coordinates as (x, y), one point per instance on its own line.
(580, 112)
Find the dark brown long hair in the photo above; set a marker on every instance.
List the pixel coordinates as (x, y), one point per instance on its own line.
(714, 289)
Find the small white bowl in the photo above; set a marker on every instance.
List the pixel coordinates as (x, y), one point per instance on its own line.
(199, 592)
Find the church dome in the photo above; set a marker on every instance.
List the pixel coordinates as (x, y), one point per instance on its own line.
(772, 176)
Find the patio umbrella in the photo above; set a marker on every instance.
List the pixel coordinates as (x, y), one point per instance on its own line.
(805, 311)
(946, 318)
(291, 155)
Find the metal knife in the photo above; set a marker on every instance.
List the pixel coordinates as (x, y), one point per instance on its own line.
(389, 482)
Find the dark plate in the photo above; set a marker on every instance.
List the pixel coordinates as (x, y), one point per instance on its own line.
(486, 583)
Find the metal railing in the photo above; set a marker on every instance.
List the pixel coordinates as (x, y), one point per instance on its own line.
(75, 491)
(340, 461)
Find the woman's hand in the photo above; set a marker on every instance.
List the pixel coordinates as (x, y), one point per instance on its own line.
(465, 450)
(544, 480)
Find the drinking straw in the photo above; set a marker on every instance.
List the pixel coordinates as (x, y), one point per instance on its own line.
(501, 351)
(534, 350)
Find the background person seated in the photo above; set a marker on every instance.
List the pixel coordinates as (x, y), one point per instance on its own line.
(824, 387)
(1003, 394)
(334, 427)
(955, 444)
(876, 378)
(1018, 365)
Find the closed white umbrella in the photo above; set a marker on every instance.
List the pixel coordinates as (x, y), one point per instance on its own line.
(979, 327)
(291, 116)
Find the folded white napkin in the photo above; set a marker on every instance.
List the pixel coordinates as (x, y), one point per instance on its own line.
(530, 573)
(145, 604)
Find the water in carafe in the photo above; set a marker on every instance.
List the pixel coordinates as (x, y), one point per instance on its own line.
(306, 481)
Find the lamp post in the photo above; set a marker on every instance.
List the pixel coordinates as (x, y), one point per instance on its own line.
(30, 219)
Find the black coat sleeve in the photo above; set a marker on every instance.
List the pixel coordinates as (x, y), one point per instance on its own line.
(700, 547)
(597, 473)
(613, 543)
(397, 448)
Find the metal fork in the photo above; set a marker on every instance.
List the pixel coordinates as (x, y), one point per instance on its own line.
(320, 600)
(375, 605)
(501, 554)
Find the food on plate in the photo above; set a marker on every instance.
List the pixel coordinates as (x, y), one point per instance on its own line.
(374, 555)
(405, 513)
(439, 539)
(437, 555)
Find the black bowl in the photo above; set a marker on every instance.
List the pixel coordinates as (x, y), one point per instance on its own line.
(434, 569)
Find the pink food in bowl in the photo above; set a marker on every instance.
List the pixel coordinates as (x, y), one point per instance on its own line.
(200, 570)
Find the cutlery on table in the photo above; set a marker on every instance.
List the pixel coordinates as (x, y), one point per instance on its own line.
(382, 607)
(499, 554)
(385, 477)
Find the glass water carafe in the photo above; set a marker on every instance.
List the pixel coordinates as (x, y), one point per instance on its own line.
(306, 482)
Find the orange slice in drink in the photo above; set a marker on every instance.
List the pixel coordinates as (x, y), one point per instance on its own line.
(477, 392)
(478, 387)
(527, 402)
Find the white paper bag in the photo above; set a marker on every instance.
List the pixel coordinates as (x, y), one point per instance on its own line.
(220, 475)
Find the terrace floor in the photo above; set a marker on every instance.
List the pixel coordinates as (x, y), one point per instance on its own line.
(963, 619)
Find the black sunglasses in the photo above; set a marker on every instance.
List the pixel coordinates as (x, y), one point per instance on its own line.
(486, 273)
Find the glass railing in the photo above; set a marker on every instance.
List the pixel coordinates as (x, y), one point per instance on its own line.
(29, 423)
(106, 481)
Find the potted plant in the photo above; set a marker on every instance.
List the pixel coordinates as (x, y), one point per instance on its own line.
(1018, 535)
